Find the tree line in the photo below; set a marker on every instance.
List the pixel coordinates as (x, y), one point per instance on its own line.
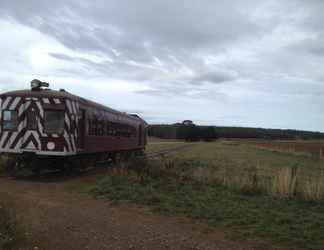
(192, 132)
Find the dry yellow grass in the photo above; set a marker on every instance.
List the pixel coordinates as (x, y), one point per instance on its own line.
(284, 184)
(313, 190)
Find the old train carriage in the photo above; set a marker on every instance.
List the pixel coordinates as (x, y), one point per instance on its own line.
(45, 122)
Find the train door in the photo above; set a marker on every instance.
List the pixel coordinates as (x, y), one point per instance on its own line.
(140, 135)
(31, 138)
(81, 129)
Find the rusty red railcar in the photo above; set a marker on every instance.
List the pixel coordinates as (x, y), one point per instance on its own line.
(48, 123)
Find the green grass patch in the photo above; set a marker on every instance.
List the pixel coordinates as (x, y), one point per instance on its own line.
(254, 192)
(163, 145)
(286, 222)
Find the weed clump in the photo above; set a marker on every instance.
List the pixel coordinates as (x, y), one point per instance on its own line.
(313, 190)
(284, 183)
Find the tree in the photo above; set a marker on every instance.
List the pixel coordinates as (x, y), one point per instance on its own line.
(208, 133)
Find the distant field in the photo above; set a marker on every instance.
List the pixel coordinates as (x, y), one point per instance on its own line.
(156, 144)
(156, 139)
(313, 148)
(240, 154)
(254, 191)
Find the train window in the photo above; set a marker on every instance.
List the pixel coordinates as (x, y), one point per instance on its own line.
(94, 127)
(107, 128)
(112, 129)
(89, 127)
(128, 132)
(100, 128)
(54, 121)
(118, 130)
(10, 120)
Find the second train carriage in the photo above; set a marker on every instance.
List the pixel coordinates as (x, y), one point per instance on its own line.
(44, 122)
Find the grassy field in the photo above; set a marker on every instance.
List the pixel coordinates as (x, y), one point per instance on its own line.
(240, 156)
(156, 146)
(252, 191)
(312, 148)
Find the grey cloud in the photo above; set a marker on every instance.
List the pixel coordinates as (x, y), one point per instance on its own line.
(180, 89)
(214, 77)
(154, 92)
(62, 57)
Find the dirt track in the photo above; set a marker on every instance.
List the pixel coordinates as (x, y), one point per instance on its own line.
(55, 217)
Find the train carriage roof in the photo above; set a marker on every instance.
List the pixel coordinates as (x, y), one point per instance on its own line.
(48, 93)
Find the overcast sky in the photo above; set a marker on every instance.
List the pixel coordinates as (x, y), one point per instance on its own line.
(226, 62)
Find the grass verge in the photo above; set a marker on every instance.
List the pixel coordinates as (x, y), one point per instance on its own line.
(290, 222)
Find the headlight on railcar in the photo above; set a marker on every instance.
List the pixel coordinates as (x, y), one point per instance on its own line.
(50, 145)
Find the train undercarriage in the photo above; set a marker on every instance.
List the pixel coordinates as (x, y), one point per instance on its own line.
(15, 164)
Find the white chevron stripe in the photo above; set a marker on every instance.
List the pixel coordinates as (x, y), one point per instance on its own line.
(15, 134)
(11, 140)
(57, 101)
(35, 134)
(77, 107)
(23, 108)
(67, 139)
(13, 106)
(6, 102)
(41, 129)
(41, 110)
(31, 145)
(67, 120)
(26, 136)
(46, 101)
(74, 108)
(68, 104)
(18, 145)
(73, 143)
(21, 126)
(55, 135)
(3, 138)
